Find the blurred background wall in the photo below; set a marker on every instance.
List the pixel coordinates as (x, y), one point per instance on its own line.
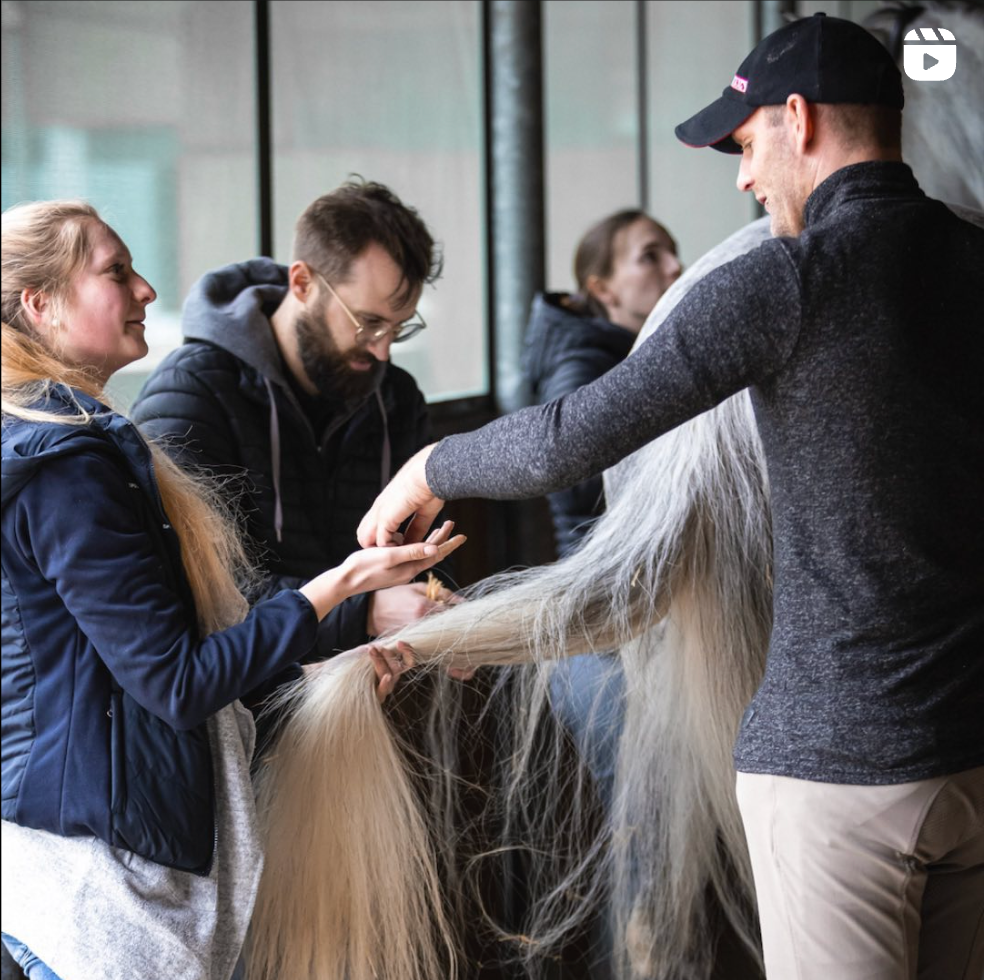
(201, 129)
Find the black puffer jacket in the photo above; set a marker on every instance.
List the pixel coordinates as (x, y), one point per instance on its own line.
(223, 402)
(564, 351)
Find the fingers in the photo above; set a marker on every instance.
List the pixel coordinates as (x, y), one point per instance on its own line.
(406, 495)
(440, 534)
(377, 532)
(381, 568)
(366, 531)
(389, 663)
(409, 656)
(452, 545)
(366, 528)
(422, 520)
(385, 687)
(424, 554)
(369, 529)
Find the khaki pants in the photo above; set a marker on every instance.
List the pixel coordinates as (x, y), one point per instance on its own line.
(868, 882)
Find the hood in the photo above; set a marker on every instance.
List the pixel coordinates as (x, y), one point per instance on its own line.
(23, 453)
(227, 307)
(555, 331)
(230, 308)
(27, 445)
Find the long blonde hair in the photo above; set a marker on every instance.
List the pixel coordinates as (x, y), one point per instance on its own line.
(45, 244)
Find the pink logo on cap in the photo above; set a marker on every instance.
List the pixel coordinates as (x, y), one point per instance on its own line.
(739, 84)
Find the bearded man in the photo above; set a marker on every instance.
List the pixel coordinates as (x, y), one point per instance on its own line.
(284, 386)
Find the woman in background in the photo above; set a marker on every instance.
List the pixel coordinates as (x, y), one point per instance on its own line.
(622, 266)
(129, 829)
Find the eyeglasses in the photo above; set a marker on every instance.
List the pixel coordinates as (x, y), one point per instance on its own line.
(398, 332)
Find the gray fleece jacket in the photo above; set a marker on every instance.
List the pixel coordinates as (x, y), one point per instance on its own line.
(863, 345)
(90, 911)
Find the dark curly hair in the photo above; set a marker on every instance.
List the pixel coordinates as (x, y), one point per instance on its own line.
(338, 227)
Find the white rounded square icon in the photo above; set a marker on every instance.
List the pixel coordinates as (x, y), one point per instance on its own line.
(930, 54)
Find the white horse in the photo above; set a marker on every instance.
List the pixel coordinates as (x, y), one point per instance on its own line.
(677, 578)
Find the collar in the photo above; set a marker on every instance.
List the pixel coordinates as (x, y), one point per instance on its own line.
(882, 179)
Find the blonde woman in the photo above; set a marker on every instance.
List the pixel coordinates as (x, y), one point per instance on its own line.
(129, 829)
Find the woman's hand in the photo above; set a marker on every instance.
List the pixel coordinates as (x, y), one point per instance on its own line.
(390, 662)
(379, 568)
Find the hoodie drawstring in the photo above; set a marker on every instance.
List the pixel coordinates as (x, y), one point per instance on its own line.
(278, 507)
(386, 463)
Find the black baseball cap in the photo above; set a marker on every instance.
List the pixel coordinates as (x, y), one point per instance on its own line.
(824, 59)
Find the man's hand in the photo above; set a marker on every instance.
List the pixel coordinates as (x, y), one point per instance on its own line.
(390, 609)
(406, 495)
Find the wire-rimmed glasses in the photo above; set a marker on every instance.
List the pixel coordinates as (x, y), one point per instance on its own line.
(367, 334)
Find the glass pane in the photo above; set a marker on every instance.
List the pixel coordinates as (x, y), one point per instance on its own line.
(145, 109)
(855, 10)
(592, 132)
(693, 51)
(392, 91)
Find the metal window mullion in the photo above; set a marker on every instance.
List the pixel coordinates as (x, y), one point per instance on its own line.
(264, 140)
(516, 185)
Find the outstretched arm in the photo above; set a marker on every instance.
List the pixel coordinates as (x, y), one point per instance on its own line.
(734, 329)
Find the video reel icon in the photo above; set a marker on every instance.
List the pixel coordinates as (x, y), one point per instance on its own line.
(931, 57)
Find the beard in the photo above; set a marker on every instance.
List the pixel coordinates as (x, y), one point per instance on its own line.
(327, 365)
(786, 201)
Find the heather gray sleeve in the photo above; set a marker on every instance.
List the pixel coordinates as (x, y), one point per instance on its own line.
(735, 328)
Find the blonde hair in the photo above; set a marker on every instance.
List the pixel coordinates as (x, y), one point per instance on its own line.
(45, 244)
(681, 588)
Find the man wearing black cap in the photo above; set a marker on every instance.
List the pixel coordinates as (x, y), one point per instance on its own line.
(816, 73)
(858, 330)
